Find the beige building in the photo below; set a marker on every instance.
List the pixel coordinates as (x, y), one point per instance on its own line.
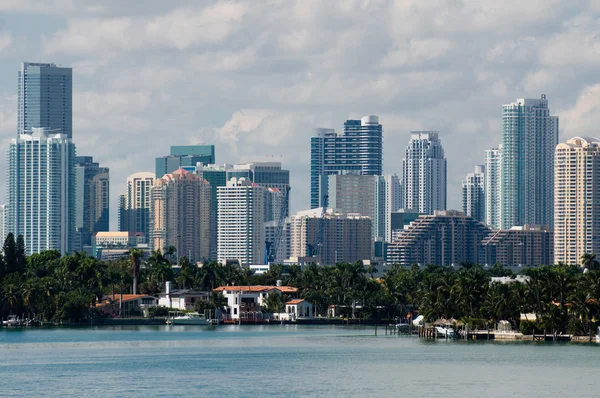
(576, 199)
(336, 237)
(527, 246)
(180, 214)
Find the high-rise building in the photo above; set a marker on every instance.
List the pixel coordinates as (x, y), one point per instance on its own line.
(576, 199)
(358, 150)
(216, 177)
(331, 238)
(424, 173)
(241, 231)
(283, 249)
(4, 211)
(180, 214)
(184, 156)
(134, 204)
(444, 238)
(45, 96)
(400, 220)
(473, 194)
(266, 174)
(492, 187)
(274, 202)
(529, 138)
(42, 190)
(526, 246)
(92, 204)
(389, 200)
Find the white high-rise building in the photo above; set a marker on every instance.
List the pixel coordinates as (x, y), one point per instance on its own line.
(473, 196)
(3, 222)
(135, 203)
(576, 199)
(42, 190)
(529, 139)
(388, 200)
(424, 173)
(492, 191)
(240, 222)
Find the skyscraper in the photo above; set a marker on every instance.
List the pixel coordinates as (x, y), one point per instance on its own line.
(45, 96)
(42, 190)
(358, 150)
(492, 191)
(473, 194)
(576, 199)
(134, 204)
(184, 155)
(241, 232)
(4, 212)
(424, 172)
(529, 138)
(216, 177)
(181, 214)
(388, 200)
(92, 205)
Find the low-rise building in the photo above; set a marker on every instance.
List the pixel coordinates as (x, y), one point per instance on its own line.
(180, 299)
(132, 304)
(112, 244)
(299, 308)
(244, 302)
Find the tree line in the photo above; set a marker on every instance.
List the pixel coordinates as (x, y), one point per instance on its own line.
(55, 287)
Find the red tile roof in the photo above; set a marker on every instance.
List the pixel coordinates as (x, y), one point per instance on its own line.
(257, 289)
(294, 302)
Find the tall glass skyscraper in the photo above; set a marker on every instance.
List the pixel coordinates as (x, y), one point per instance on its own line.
(186, 155)
(424, 171)
(357, 151)
(529, 138)
(42, 190)
(45, 98)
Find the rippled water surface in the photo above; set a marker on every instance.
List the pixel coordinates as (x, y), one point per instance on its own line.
(290, 361)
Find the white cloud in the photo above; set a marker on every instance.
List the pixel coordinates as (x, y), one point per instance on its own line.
(583, 118)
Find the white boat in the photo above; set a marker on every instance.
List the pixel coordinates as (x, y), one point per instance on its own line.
(12, 320)
(179, 318)
(446, 331)
(598, 335)
(403, 327)
(418, 321)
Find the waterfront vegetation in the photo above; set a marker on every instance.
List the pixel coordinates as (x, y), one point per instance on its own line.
(564, 299)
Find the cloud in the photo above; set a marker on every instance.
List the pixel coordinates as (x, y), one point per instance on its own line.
(5, 41)
(583, 118)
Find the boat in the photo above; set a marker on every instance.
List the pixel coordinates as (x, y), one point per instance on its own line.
(191, 318)
(598, 335)
(12, 320)
(403, 327)
(447, 331)
(418, 321)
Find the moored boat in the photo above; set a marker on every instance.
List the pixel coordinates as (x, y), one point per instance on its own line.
(192, 318)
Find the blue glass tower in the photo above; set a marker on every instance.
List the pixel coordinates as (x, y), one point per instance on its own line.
(45, 97)
(186, 155)
(357, 151)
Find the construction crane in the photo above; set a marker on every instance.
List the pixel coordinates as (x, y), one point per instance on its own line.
(271, 247)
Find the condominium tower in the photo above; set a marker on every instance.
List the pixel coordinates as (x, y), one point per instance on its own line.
(473, 196)
(424, 173)
(576, 199)
(42, 190)
(492, 187)
(184, 156)
(529, 138)
(180, 214)
(134, 204)
(92, 188)
(357, 150)
(240, 230)
(45, 96)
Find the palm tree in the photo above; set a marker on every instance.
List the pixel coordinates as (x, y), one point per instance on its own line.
(135, 260)
(588, 260)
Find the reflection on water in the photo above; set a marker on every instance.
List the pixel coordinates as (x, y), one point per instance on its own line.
(283, 360)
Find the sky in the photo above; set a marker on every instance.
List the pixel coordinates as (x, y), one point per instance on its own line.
(255, 77)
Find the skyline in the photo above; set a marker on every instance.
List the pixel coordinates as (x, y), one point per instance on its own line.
(269, 89)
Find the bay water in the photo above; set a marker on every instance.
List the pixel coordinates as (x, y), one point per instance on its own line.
(285, 360)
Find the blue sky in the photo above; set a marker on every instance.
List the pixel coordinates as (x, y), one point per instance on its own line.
(254, 77)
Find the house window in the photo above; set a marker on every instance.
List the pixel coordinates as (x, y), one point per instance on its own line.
(235, 311)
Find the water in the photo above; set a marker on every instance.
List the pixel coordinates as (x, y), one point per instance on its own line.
(291, 361)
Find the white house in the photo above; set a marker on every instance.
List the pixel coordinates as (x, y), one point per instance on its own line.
(299, 308)
(180, 299)
(244, 302)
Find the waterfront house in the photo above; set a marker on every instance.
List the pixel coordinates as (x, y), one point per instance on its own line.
(180, 299)
(244, 302)
(299, 308)
(132, 305)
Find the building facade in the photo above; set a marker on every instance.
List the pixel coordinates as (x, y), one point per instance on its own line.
(576, 199)
(111, 245)
(473, 194)
(217, 177)
(45, 98)
(240, 222)
(357, 150)
(134, 204)
(447, 238)
(180, 215)
(331, 237)
(529, 138)
(526, 246)
(92, 205)
(42, 190)
(184, 156)
(424, 171)
(492, 188)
